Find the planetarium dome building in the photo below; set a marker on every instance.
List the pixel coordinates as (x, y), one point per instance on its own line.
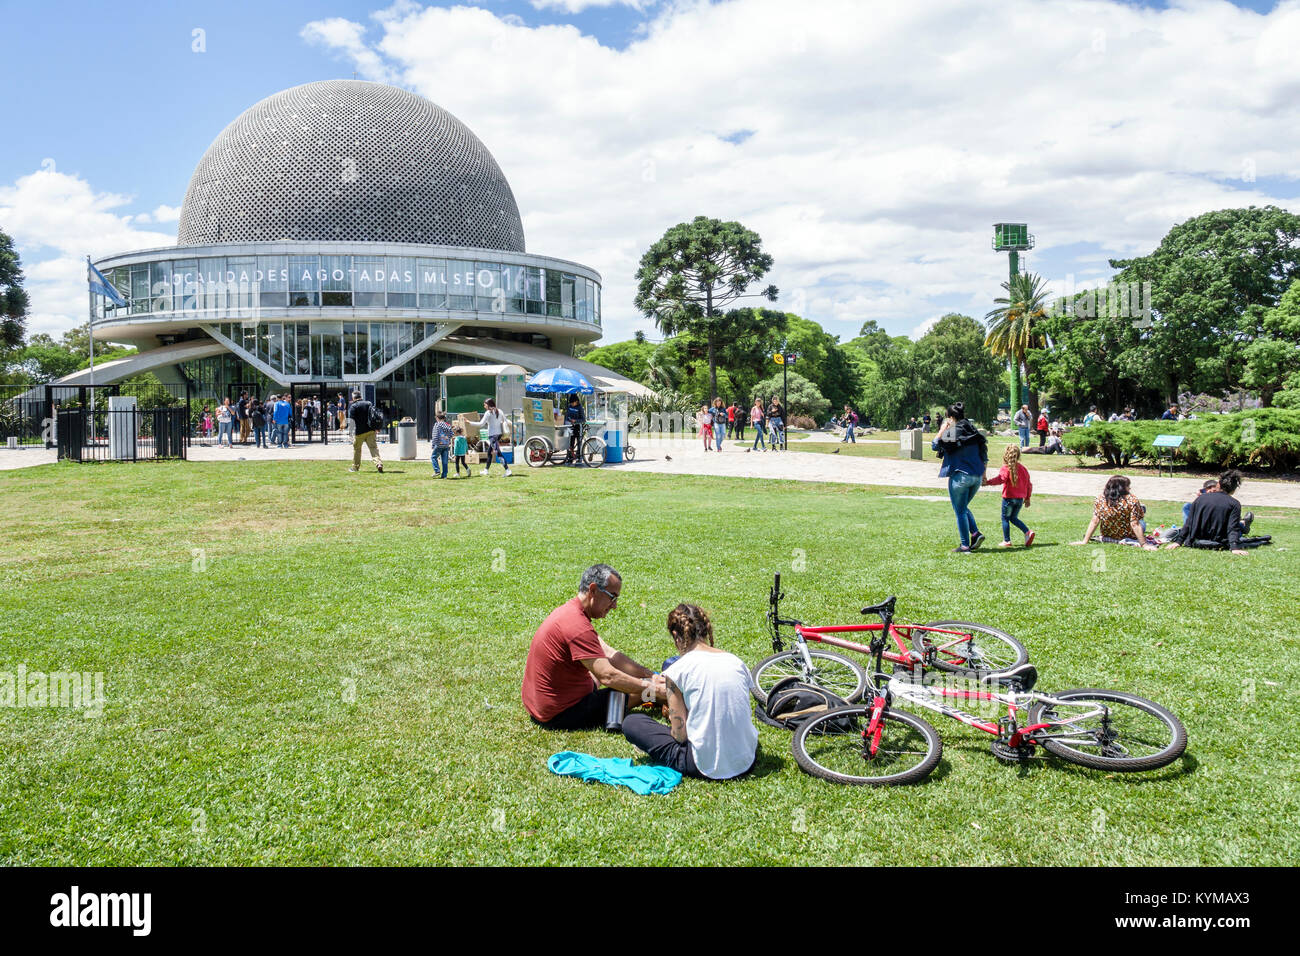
(346, 233)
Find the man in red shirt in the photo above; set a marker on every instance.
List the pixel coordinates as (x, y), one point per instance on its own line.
(571, 672)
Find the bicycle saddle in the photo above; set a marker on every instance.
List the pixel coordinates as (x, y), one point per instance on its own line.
(1023, 677)
(884, 607)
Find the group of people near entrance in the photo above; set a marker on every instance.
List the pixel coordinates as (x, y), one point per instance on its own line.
(704, 691)
(1213, 520)
(269, 422)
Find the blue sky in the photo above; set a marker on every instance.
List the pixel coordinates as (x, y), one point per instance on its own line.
(869, 147)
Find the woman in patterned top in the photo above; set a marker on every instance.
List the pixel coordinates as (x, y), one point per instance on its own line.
(1118, 515)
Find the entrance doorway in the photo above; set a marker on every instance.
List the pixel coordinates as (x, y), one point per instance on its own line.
(311, 417)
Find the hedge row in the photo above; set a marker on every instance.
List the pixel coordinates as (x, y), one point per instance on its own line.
(1260, 438)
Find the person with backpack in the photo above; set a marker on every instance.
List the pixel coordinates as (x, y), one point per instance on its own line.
(965, 454)
(1016, 491)
(710, 733)
(366, 420)
(850, 422)
(495, 423)
(257, 414)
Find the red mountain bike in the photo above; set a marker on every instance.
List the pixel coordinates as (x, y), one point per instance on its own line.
(874, 744)
(955, 647)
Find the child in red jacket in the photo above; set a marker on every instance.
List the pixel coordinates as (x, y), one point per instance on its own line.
(1016, 489)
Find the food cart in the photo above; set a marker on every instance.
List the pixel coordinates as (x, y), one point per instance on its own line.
(546, 435)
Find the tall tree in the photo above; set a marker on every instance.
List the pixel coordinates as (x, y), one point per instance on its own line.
(13, 299)
(689, 278)
(1014, 325)
(1213, 279)
(957, 367)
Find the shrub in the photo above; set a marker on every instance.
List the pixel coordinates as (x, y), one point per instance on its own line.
(1260, 437)
(802, 421)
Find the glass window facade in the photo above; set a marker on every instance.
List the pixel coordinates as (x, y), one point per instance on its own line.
(326, 349)
(362, 282)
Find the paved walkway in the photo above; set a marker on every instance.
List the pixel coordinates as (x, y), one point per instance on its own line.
(687, 457)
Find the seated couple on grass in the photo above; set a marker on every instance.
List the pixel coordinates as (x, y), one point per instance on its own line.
(1214, 519)
(571, 674)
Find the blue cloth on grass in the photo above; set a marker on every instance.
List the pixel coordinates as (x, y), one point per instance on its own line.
(618, 771)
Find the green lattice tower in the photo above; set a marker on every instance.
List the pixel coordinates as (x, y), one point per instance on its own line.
(1013, 238)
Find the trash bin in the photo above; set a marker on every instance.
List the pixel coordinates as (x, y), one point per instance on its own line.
(406, 441)
(613, 445)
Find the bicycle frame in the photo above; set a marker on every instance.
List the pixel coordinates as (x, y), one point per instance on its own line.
(934, 698)
(901, 634)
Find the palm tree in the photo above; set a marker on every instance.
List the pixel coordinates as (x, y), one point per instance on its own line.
(660, 373)
(1013, 328)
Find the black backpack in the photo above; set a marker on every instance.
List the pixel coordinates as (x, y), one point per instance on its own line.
(791, 701)
(376, 418)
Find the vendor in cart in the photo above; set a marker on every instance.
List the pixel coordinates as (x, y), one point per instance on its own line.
(574, 417)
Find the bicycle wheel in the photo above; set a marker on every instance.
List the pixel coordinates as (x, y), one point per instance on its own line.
(835, 672)
(629, 452)
(832, 746)
(977, 649)
(593, 452)
(1138, 734)
(537, 452)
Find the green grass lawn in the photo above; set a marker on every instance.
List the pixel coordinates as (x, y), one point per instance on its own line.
(304, 666)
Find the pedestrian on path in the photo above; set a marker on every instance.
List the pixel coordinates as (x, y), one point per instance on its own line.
(756, 419)
(965, 454)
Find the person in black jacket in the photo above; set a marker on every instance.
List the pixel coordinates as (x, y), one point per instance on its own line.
(1214, 519)
(359, 412)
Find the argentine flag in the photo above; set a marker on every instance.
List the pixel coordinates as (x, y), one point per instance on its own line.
(99, 285)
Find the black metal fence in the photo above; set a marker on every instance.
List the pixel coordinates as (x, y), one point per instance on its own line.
(28, 413)
(133, 434)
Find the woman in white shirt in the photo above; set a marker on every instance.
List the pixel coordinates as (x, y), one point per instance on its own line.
(494, 422)
(711, 733)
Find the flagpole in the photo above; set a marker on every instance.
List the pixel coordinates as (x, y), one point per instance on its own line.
(90, 327)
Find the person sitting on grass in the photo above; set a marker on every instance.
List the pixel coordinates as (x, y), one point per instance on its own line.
(1214, 519)
(711, 733)
(1118, 514)
(1054, 446)
(571, 673)
(1016, 490)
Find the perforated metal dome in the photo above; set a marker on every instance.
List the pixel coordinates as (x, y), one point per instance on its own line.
(350, 160)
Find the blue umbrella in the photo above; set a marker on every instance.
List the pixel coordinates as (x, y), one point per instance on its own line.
(564, 381)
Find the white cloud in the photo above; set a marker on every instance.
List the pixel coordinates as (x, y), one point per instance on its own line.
(577, 6)
(886, 139)
(56, 220)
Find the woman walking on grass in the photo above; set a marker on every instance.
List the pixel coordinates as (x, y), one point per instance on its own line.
(965, 454)
(1016, 489)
